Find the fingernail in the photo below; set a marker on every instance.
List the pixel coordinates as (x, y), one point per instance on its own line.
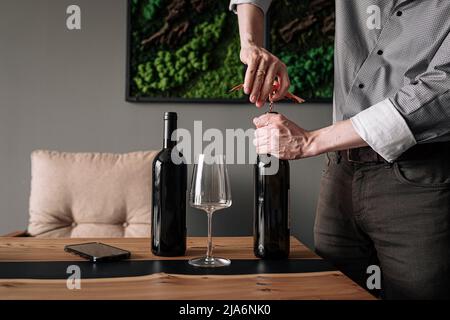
(246, 90)
(252, 99)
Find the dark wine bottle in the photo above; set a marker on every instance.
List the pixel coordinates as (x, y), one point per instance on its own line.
(271, 208)
(168, 234)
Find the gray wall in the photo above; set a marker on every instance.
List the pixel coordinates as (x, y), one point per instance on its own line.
(65, 90)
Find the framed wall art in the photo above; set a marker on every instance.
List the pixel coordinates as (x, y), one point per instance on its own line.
(301, 34)
(182, 50)
(188, 50)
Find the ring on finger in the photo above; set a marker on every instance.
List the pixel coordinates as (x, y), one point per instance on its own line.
(260, 73)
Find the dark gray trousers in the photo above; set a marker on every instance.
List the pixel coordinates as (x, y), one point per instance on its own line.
(396, 216)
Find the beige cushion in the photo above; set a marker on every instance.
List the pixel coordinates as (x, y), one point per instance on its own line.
(90, 194)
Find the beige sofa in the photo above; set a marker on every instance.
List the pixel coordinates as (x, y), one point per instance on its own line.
(90, 194)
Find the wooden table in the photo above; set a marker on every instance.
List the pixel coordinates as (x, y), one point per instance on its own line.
(312, 285)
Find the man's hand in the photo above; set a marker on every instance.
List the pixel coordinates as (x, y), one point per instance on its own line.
(262, 66)
(262, 69)
(278, 136)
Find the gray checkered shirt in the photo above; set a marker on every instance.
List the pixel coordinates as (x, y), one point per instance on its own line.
(392, 70)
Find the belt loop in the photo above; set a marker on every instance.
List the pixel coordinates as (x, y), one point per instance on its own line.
(338, 157)
(387, 164)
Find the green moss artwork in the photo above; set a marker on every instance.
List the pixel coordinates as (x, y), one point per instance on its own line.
(183, 50)
(188, 50)
(301, 34)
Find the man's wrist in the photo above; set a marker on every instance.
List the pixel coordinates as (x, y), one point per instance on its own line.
(251, 25)
(313, 145)
(248, 41)
(339, 136)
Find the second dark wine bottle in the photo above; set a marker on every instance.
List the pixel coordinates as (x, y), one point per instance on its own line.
(271, 208)
(168, 236)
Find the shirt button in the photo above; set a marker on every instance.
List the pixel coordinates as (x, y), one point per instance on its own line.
(399, 13)
(380, 52)
(361, 85)
(74, 224)
(125, 224)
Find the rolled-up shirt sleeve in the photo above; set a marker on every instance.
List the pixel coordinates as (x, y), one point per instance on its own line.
(262, 4)
(417, 112)
(384, 130)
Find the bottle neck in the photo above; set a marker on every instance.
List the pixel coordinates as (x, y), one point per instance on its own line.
(170, 125)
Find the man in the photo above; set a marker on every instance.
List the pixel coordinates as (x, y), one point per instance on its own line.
(385, 191)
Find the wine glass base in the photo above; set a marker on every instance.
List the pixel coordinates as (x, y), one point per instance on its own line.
(212, 262)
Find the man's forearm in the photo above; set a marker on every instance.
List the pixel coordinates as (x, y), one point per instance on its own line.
(339, 136)
(251, 25)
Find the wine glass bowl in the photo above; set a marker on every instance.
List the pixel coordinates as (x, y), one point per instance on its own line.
(210, 191)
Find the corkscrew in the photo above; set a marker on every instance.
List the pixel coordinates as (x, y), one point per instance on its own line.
(275, 88)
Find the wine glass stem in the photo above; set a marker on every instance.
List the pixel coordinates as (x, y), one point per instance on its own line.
(210, 245)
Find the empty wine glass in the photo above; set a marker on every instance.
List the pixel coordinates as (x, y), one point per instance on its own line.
(210, 191)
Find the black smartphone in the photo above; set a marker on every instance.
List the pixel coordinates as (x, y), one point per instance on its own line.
(98, 252)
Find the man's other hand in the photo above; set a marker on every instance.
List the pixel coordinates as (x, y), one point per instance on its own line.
(278, 136)
(262, 69)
